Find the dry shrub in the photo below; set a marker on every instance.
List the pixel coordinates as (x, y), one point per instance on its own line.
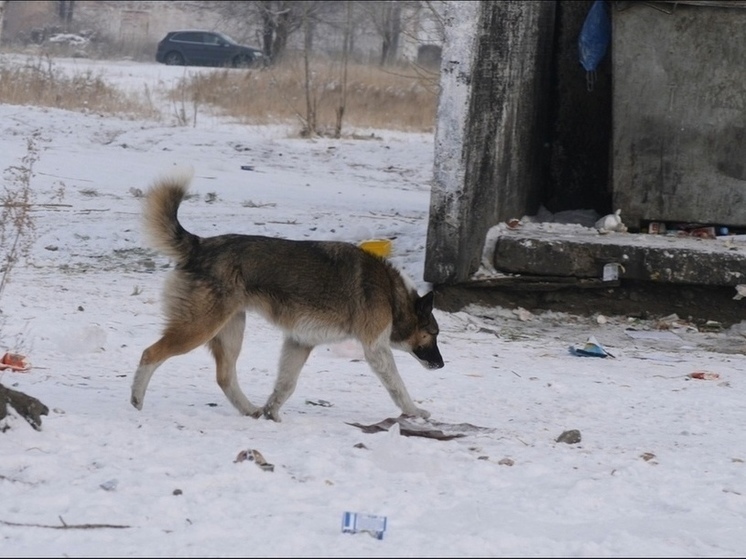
(16, 221)
(376, 97)
(38, 82)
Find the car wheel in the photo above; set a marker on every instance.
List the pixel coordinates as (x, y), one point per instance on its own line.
(242, 61)
(173, 59)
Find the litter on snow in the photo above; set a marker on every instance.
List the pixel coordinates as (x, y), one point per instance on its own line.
(591, 348)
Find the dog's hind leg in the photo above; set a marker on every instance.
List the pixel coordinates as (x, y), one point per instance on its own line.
(292, 359)
(381, 360)
(225, 347)
(179, 337)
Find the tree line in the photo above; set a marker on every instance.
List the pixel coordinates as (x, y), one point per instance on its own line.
(279, 20)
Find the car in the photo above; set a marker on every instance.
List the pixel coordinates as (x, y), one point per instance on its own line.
(205, 48)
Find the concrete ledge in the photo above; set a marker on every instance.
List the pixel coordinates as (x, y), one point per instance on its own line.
(572, 251)
(645, 300)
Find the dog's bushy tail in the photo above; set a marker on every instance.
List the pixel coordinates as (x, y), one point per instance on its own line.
(162, 227)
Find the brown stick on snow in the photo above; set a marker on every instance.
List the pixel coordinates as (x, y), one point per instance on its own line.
(64, 525)
(27, 406)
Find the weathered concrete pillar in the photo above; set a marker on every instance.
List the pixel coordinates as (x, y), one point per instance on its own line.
(491, 127)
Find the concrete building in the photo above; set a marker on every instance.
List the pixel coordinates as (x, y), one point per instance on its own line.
(661, 135)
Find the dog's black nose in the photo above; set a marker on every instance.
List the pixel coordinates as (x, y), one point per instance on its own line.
(436, 360)
(429, 356)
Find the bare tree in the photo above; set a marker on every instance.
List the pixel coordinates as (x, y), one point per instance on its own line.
(394, 19)
(65, 9)
(435, 9)
(280, 19)
(311, 15)
(390, 31)
(263, 21)
(311, 99)
(3, 3)
(346, 48)
(386, 18)
(242, 17)
(273, 21)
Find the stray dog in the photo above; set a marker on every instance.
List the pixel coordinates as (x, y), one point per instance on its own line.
(316, 292)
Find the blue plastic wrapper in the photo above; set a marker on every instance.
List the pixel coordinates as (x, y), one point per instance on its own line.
(354, 523)
(591, 348)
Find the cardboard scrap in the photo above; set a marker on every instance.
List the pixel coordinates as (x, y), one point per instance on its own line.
(412, 427)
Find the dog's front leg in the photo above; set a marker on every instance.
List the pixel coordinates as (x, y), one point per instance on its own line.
(292, 359)
(381, 360)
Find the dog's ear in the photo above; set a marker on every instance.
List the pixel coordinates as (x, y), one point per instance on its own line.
(424, 304)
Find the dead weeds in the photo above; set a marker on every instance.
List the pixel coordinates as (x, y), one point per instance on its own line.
(39, 82)
(375, 97)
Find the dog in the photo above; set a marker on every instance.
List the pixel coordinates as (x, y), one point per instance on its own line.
(315, 292)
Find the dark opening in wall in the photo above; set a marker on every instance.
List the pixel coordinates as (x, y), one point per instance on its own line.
(580, 122)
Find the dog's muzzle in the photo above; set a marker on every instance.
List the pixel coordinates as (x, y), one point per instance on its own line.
(430, 357)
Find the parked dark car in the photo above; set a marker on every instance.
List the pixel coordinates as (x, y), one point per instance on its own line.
(205, 48)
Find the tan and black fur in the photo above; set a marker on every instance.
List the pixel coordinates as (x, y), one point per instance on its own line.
(316, 292)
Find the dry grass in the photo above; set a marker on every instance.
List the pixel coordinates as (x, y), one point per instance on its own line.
(38, 82)
(376, 98)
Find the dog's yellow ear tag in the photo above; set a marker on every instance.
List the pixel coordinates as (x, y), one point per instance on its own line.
(379, 247)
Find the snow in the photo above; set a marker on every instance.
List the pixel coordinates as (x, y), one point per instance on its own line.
(660, 469)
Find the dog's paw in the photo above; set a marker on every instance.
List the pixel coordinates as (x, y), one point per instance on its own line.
(273, 414)
(136, 402)
(256, 414)
(417, 412)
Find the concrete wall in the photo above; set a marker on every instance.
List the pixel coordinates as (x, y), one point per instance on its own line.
(490, 127)
(679, 139)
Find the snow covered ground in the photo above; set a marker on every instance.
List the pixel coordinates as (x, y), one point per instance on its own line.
(660, 470)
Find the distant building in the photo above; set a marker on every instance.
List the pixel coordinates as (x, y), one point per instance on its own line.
(135, 26)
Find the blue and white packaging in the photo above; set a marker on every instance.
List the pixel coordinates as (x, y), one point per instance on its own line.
(354, 523)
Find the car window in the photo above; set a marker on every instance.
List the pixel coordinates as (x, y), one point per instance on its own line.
(212, 39)
(227, 39)
(188, 37)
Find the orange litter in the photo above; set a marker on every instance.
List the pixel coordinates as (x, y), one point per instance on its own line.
(14, 362)
(704, 375)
